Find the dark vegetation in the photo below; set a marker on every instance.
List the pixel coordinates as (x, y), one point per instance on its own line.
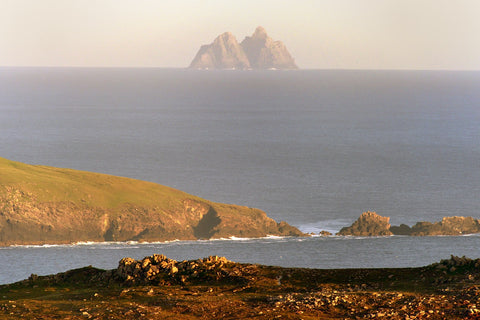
(215, 288)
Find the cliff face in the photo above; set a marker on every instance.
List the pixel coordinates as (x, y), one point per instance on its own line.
(223, 53)
(265, 53)
(256, 52)
(371, 224)
(50, 205)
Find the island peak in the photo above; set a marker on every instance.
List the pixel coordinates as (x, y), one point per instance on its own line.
(258, 51)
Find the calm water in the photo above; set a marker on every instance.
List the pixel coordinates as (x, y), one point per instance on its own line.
(313, 148)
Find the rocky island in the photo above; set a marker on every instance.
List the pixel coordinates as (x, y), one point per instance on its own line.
(258, 51)
(372, 224)
(40, 205)
(157, 287)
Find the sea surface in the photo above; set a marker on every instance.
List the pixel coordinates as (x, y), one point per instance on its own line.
(315, 148)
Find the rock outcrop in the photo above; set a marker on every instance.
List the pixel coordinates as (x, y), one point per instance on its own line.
(449, 226)
(157, 269)
(256, 52)
(372, 224)
(368, 224)
(41, 205)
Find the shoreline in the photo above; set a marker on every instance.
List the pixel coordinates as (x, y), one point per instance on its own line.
(231, 239)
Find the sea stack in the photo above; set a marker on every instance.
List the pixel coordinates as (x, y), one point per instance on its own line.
(367, 225)
(265, 53)
(223, 53)
(258, 51)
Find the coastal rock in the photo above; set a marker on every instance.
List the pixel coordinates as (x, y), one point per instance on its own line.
(447, 227)
(40, 205)
(256, 52)
(368, 224)
(158, 268)
(371, 224)
(402, 230)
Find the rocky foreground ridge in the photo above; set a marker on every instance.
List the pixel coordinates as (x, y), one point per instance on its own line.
(372, 224)
(256, 52)
(157, 287)
(40, 204)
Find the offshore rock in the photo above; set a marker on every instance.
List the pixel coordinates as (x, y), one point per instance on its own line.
(368, 224)
(256, 52)
(449, 226)
(372, 224)
(265, 53)
(223, 53)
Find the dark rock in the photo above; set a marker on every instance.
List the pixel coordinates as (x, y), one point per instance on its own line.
(402, 230)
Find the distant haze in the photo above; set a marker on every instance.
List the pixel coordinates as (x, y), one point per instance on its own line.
(346, 34)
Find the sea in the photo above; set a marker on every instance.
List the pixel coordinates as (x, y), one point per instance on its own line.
(314, 148)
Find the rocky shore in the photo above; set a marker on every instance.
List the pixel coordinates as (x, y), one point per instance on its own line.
(372, 224)
(157, 287)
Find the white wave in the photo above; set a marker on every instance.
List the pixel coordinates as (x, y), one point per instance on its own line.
(233, 238)
(331, 225)
(27, 246)
(271, 236)
(85, 243)
(138, 244)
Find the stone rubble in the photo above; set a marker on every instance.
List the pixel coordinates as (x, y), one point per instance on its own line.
(158, 268)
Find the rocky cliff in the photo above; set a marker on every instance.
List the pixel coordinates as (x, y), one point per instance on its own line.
(449, 226)
(41, 204)
(256, 52)
(223, 53)
(265, 53)
(368, 224)
(372, 224)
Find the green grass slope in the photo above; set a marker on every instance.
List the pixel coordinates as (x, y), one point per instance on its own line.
(55, 184)
(40, 204)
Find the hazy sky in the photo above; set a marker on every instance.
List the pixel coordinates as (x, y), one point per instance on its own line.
(366, 34)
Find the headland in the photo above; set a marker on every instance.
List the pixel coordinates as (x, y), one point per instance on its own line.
(47, 205)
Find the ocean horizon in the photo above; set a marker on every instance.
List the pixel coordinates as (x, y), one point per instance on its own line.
(314, 148)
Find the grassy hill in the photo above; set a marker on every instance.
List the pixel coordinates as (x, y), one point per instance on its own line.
(55, 184)
(40, 204)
